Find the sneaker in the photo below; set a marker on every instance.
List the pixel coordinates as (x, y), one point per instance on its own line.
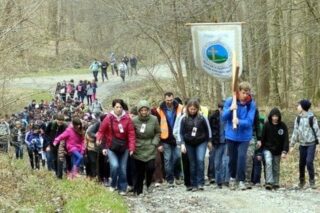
(112, 189)
(268, 186)
(232, 184)
(201, 188)
(276, 187)
(189, 188)
(123, 193)
(242, 186)
(219, 186)
(157, 184)
(313, 185)
(130, 188)
(249, 185)
(194, 189)
(178, 182)
(170, 185)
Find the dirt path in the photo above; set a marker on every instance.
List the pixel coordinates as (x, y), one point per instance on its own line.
(223, 200)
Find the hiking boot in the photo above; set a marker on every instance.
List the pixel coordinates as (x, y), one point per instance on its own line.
(313, 184)
(232, 184)
(301, 184)
(242, 186)
(268, 186)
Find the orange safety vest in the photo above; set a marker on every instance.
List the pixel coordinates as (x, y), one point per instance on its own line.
(163, 121)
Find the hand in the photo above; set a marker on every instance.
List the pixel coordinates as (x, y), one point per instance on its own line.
(47, 149)
(98, 142)
(258, 144)
(183, 149)
(105, 152)
(259, 158)
(291, 149)
(233, 106)
(210, 147)
(283, 155)
(235, 121)
(160, 148)
(131, 153)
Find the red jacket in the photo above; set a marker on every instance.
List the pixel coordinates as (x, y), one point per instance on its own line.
(128, 130)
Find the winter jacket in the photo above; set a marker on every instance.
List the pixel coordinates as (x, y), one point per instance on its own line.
(34, 141)
(215, 125)
(303, 133)
(53, 130)
(245, 114)
(275, 137)
(17, 136)
(74, 141)
(147, 136)
(91, 133)
(94, 67)
(128, 133)
(189, 124)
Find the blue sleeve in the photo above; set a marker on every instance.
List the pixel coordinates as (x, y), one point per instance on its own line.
(248, 121)
(227, 114)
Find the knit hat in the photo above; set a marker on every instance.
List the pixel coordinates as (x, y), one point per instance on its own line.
(305, 104)
(143, 103)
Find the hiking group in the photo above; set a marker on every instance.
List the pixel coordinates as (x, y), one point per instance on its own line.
(162, 145)
(126, 67)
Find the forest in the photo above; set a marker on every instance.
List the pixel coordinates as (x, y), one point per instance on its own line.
(280, 41)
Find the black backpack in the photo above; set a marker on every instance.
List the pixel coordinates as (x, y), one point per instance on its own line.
(311, 125)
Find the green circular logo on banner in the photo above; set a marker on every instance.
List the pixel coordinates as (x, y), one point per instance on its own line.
(217, 53)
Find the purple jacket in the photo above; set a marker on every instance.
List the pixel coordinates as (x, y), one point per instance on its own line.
(74, 141)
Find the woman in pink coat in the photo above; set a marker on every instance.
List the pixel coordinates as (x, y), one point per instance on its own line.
(74, 138)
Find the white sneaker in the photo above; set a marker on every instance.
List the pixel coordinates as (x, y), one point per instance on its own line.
(157, 184)
(242, 186)
(111, 189)
(232, 184)
(123, 193)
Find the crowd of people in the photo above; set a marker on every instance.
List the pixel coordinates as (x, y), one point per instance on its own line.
(166, 144)
(126, 67)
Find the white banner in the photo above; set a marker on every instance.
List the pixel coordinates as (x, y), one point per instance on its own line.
(214, 45)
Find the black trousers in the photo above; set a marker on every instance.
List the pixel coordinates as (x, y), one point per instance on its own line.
(34, 158)
(186, 169)
(142, 170)
(91, 163)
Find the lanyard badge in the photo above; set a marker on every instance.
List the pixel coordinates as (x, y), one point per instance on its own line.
(120, 128)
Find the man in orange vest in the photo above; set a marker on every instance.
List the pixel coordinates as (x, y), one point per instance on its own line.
(168, 111)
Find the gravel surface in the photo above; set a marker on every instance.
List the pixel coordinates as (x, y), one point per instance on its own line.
(177, 199)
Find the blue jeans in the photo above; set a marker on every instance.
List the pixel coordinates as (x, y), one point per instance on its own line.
(220, 166)
(196, 155)
(76, 159)
(19, 151)
(237, 152)
(256, 169)
(171, 154)
(118, 169)
(306, 159)
(272, 167)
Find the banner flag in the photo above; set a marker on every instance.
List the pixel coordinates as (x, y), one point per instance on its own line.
(214, 45)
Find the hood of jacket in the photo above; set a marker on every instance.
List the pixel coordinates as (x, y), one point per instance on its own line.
(274, 111)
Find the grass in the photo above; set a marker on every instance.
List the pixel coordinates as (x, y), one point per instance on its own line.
(24, 190)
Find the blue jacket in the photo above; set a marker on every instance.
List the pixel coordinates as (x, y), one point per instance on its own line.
(245, 113)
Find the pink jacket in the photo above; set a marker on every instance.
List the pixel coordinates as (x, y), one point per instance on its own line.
(74, 141)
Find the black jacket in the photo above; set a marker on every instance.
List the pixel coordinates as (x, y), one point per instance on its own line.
(214, 121)
(275, 137)
(53, 130)
(201, 135)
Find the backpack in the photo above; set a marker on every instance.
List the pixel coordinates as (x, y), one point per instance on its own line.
(311, 125)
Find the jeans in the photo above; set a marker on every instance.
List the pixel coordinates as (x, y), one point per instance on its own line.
(272, 167)
(95, 75)
(196, 155)
(256, 169)
(19, 151)
(306, 159)
(237, 159)
(219, 165)
(171, 155)
(104, 74)
(34, 158)
(118, 169)
(76, 159)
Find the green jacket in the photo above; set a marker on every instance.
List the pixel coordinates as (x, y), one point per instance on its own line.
(147, 140)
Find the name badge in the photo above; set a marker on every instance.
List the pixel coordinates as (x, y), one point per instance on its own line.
(194, 131)
(121, 128)
(143, 128)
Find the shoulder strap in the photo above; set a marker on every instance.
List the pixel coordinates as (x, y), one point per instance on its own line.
(298, 120)
(311, 125)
